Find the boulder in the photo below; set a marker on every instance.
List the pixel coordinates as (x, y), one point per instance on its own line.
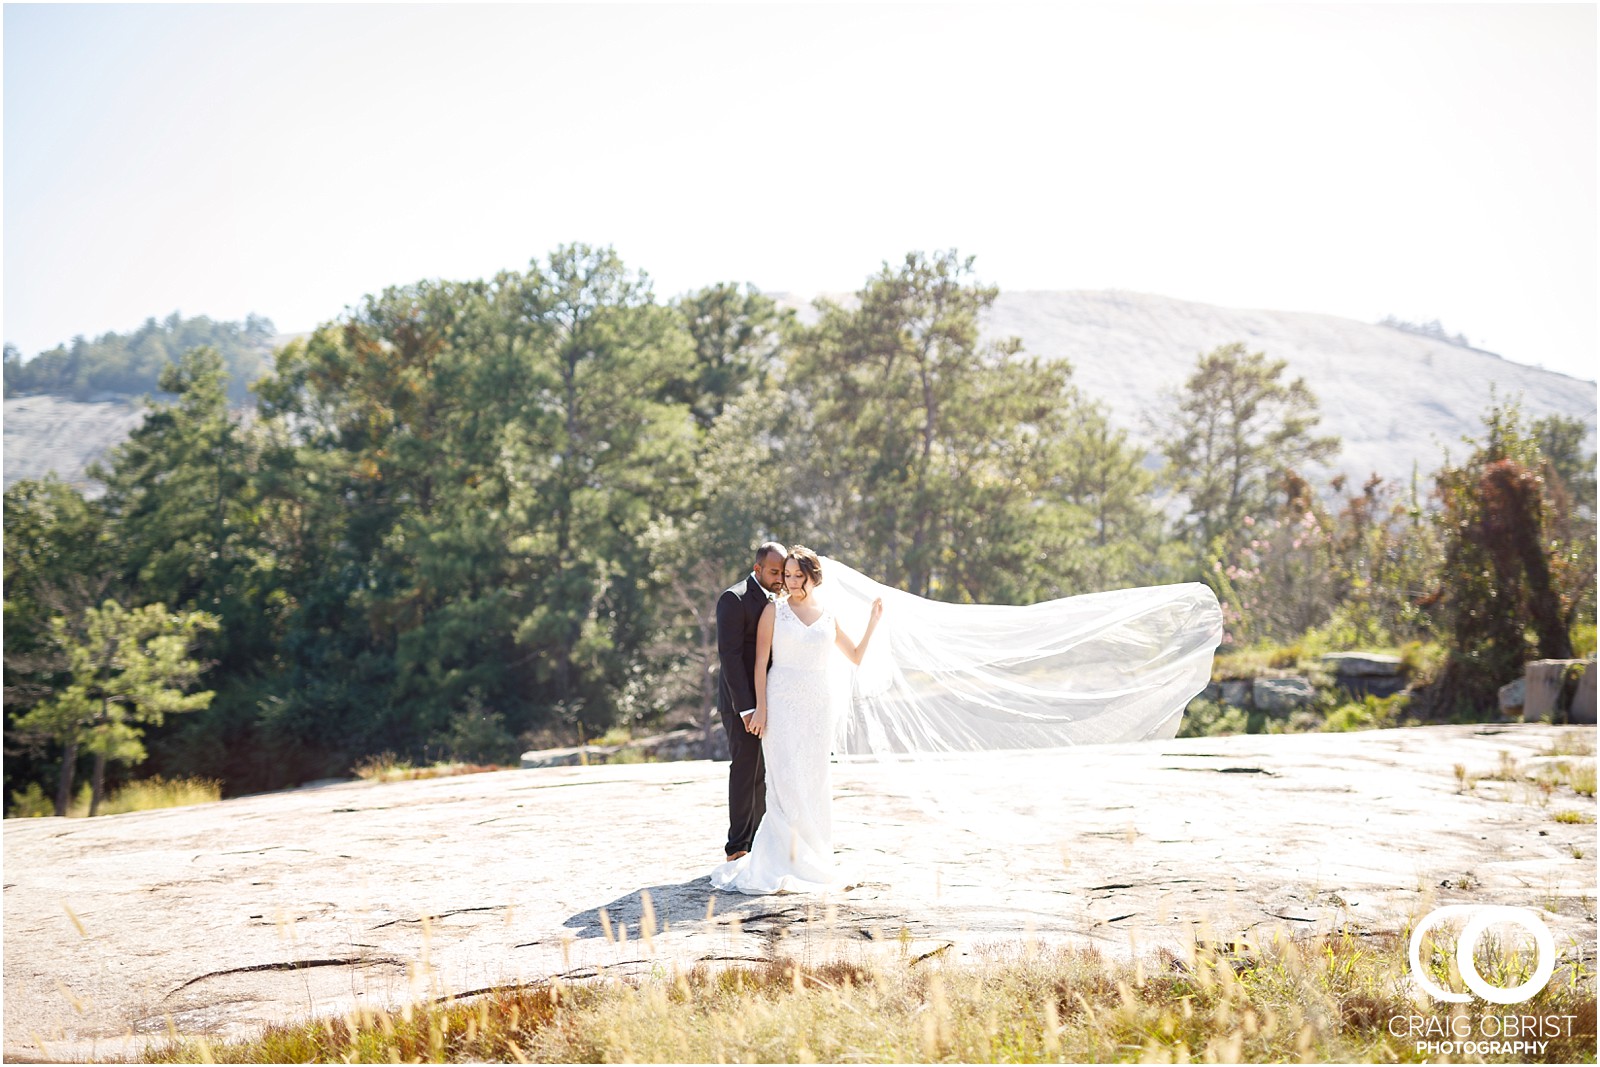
(1555, 688)
(1582, 710)
(1364, 664)
(1236, 692)
(579, 755)
(680, 743)
(1282, 695)
(1367, 673)
(1513, 695)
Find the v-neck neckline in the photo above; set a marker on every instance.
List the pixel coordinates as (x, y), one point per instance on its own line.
(802, 622)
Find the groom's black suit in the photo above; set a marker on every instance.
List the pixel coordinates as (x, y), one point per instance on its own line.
(738, 613)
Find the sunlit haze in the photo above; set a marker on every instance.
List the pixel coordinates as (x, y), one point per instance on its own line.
(1430, 162)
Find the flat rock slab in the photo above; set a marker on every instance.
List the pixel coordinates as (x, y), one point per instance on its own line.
(221, 918)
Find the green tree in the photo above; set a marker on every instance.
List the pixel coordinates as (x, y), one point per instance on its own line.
(1236, 430)
(1108, 500)
(460, 480)
(1561, 442)
(603, 456)
(740, 501)
(180, 495)
(1385, 550)
(1517, 572)
(124, 670)
(737, 338)
(133, 363)
(920, 448)
(59, 560)
(386, 489)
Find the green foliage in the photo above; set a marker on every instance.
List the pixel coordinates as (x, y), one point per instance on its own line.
(1518, 566)
(133, 363)
(478, 735)
(1583, 640)
(146, 794)
(737, 338)
(1207, 718)
(1370, 713)
(954, 469)
(1561, 443)
(124, 670)
(58, 561)
(1421, 661)
(1235, 431)
(30, 803)
(468, 511)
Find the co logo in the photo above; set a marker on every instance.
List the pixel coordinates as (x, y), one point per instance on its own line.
(1482, 917)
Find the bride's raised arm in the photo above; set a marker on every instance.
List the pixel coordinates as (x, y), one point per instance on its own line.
(853, 651)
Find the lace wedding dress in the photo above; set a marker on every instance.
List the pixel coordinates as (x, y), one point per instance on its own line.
(793, 847)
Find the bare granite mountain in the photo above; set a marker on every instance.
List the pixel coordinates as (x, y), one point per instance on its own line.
(51, 434)
(1396, 399)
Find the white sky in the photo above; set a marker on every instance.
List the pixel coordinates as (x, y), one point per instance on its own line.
(1432, 161)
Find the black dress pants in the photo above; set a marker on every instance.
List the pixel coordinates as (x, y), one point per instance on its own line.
(747, 782)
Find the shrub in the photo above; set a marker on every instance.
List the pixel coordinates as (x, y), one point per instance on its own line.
(1583, 640)
(30, 803)
(1207, 718)
(477, 735)
(1372, 713)
(149, 793)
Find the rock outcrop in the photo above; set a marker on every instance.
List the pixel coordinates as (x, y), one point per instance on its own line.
(221, 918)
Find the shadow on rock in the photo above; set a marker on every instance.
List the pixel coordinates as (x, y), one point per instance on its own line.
(686, 903)
(666, 905)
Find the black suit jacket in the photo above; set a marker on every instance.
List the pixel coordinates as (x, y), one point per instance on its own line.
(738, 614)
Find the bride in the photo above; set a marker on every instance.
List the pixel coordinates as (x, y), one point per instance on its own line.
(945, 682)
(795, 717)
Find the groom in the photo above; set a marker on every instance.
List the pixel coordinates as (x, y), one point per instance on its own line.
(738, 611)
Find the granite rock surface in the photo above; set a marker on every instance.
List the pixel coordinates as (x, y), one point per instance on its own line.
(221, 918)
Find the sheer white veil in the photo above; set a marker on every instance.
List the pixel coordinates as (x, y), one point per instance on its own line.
(943, 677)
(940, 679)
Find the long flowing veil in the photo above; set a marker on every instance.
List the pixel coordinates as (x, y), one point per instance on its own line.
(951, 700)
(940, 679)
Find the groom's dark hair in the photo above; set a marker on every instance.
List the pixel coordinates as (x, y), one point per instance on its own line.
(768, 548)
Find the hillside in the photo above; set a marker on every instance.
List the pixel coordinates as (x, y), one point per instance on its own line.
(45, 434)
(1395, 399)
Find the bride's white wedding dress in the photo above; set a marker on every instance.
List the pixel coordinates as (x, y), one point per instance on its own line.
(793, 847)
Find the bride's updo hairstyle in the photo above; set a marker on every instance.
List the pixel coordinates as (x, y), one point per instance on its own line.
(809, 565)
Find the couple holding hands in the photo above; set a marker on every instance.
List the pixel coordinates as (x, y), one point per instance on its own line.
(776, 642)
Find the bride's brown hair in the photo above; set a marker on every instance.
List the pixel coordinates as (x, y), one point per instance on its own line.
(809, 564)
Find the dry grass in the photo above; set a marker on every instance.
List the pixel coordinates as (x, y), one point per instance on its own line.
(1572, 743)
(1315, 1000)
(1577, 775)
(158, 792)
(385, 767)
(140, 795)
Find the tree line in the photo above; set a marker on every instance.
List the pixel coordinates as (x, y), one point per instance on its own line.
(468, 512)
(131, 364)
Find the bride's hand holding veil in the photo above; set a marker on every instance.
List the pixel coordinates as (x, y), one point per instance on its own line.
(853, 651)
